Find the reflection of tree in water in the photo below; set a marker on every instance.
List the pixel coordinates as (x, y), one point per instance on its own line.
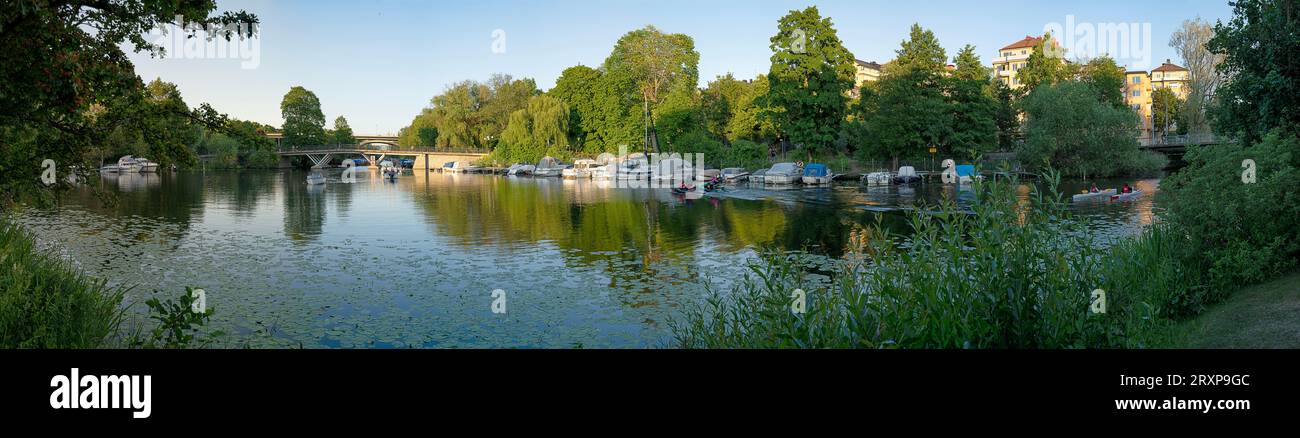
(246, 189)
(304, 207)
(167, 197)
(819, 229)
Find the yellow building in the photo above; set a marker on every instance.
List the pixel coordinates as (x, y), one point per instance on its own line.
(1140, 86)
(1012, 58)
(865, 72)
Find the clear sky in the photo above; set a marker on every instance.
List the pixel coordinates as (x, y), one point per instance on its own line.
(378, 62)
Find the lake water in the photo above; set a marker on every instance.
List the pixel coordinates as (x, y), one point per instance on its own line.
(414, 263)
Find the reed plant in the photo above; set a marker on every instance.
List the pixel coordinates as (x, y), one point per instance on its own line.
(46, 303)
(1003, 273)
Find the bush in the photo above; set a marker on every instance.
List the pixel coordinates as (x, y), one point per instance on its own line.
(999, 276)
(746, 154)
(1239, 233)
(1068, 128)
(46, 303)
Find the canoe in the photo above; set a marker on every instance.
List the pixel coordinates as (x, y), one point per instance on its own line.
(1126, 196)
(1104, 194)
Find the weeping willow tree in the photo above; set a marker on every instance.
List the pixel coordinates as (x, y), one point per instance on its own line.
(538, 130)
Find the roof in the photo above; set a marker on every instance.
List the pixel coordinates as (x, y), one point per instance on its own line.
(1168, 66)
(1029, 41)
(871, 65)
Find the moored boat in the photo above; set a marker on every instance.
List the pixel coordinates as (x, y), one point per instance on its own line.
(581, 169)
(783, 173)
(878, 178)
(315, 179)
(817, 173)
(548, 166)
(906, 175)
(734, 174)
(708, 174)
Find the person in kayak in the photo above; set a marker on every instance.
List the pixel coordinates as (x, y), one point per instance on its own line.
(1094, 189)
(1127, 189)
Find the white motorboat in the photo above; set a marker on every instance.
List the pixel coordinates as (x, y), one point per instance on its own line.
(878, 178)
(634, 167)
(734, 174)
(460, 167)
(315, 179)
(147, 166)
(906, 175)
(758, 176)
(581, 169)
(672, 169)
(783, 173)
(1093, 196)
(128, 164)
(548, 166)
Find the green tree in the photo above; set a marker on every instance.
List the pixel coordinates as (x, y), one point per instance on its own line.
(751, 119)
(539, 130)
(428, 136)
(973, 106)
(343, 132)
(304, 123)
(1166, 112)
(921, 51)
(1068, 129)
(1046, 65)
(810, 75)
(1261, 50)
(720, 102)
(1106, 79)
(658, 64)
(1006, 115)
(908, 110)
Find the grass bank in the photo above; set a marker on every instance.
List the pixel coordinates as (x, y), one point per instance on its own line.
(1266, 315)
(46, 303)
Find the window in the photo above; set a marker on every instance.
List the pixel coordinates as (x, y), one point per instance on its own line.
(1137, 107)
(1137, 79)
(1137, 93)
(1022, 52)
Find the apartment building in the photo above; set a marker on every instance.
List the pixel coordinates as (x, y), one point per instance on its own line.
(1140, 86)
(1012, 58)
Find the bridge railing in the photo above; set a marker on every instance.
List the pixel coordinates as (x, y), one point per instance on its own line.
(1183, 140)
(380, 149)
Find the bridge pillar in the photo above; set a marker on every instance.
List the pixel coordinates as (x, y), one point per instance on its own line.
(319, 160)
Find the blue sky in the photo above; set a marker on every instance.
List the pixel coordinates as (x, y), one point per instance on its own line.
(378, 62)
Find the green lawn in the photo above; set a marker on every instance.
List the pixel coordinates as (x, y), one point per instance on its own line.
(1260, 316)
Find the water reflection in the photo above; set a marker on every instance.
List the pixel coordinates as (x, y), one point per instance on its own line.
(412, 263)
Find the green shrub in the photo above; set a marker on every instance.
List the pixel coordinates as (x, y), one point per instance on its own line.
(46, 303)
(1239, 233)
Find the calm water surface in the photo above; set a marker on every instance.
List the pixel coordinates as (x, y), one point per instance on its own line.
(414, 263)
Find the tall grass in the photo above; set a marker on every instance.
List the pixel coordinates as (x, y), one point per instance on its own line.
(46, 303)
(1004, 274)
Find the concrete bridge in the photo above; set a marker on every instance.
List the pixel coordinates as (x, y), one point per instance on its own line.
(362, 140)
(373, 153)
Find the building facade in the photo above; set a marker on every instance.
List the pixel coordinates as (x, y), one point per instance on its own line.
(1012, 58)
(1140, 87)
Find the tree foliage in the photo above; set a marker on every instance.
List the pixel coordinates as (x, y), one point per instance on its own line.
(1261, 50)
(304, 123)
(810, 75)
(1069, 129)
(67, 82)
(1191, 41)
(343, 132)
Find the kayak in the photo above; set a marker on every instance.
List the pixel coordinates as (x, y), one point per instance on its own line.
(1126, 196)
(1104, 194)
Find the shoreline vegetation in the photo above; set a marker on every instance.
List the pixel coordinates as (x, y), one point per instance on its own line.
(46, 303)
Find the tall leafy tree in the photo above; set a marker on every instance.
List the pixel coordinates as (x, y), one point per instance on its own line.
(343, 132)
(304, 123)
(1261, 50)
(908, 110)
(1106, 79)
(1046, 65)
(1069, 129)
(658, 63)
(973, 106)
(810, 75)
(428, 136)
(1166, 112)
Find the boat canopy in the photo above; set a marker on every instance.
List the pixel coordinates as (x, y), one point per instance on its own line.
(966, 170)
(783, 168)
(907, 171)
(548, 163)
(816, 169)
